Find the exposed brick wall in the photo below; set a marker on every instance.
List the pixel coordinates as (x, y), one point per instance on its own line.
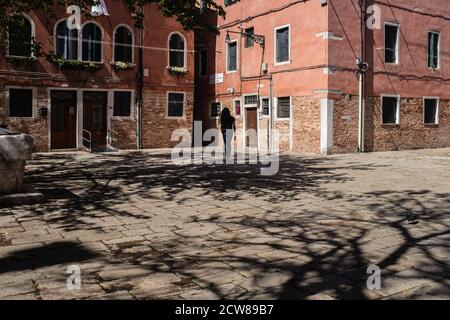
(156, 127)
(345, 125)
(306, 125)
(411, 133)
(126, 132)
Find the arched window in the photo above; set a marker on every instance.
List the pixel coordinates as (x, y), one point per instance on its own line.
(92, 43)
(177, 51)
(20, 37)
(66, 41)
(123, 45)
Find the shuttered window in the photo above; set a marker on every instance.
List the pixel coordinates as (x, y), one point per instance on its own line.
(232, 56)
(282, 45)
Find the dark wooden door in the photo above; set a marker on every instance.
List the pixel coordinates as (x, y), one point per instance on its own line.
(94, 116)
(252, 123)
(63, 119)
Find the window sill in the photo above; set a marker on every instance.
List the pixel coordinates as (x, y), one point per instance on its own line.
(277, 64)
(390, 125)
(431, 125)
(20, 58)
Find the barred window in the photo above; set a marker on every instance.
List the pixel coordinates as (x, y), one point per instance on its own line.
(284, 108)
(176, 104)
(265, 107)
(251, 99)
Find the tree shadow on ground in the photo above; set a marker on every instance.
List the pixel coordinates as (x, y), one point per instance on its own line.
(288, 249)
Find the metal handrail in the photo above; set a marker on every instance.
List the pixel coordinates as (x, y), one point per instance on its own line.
(88, 140)
(113, 139)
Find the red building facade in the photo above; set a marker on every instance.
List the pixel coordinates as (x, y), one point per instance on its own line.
(87, 89)
(310, 53)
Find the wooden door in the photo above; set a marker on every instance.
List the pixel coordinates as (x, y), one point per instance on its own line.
(63, 121)
(94, 116)
(251, 123)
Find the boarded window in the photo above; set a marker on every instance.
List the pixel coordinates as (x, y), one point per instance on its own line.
(430, 111)
(66, 41)
(92, 43)
(284, 108)
(176, 105)
(391, 33)
(232, 56)
(123, 45)
(21, 103)
(282, 45)
(265, 107)
(433, 50)
(122, 104)
(215, 109)
(390, 110)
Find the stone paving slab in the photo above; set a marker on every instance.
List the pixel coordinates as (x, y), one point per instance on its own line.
(139, 227)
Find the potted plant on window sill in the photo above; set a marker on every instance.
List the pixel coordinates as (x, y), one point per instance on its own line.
(177, 70)
(73, 64)
(120, 65)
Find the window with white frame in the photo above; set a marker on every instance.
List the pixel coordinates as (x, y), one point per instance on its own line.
(283, 107)
(177, 51)
(20, 36)
(122, 104)
(66, 41)
(92, 37)
(232, 56)
(433, 50)
(282, 44)
(123, 44)
(391, 42)
(431, 110)
(216, 108)
(390, 106)
(175, 106)
(20, 103)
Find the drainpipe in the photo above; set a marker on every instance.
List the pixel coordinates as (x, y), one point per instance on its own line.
(362, 68)
(140, 88)
(270, 112)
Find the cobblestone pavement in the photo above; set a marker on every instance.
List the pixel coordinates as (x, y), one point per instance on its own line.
(142, 228)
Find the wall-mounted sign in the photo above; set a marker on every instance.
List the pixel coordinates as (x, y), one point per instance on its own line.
(216, 78)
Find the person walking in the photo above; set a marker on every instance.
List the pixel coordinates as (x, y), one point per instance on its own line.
(228, 129)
